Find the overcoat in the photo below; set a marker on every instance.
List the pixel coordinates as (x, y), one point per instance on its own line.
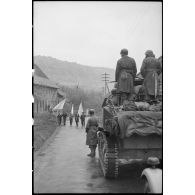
(160, 77)
(125, 73)
(150, 70)
(160, 84)
(82, 117)
(91, 130)
(76, 118)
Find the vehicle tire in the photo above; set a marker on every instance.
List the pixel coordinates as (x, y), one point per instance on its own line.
(108, 157)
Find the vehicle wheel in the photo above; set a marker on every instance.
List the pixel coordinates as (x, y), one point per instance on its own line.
(108, 157)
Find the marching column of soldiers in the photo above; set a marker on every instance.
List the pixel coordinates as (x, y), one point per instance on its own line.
(63, 116)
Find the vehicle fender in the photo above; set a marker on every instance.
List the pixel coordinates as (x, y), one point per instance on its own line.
(154, 177)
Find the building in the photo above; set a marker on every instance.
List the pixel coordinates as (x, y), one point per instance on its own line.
(60, 95)
(46, 92)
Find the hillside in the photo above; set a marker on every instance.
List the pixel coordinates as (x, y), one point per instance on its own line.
(69, 73)
(39, 72)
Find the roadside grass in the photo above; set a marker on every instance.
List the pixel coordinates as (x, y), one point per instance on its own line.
(44, 126)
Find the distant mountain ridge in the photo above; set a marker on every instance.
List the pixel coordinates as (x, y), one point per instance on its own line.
(71, 73)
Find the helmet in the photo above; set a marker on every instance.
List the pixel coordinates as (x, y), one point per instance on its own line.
(124, 51)
(149, 53)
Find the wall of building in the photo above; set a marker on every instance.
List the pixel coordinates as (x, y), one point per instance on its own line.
(44, 97)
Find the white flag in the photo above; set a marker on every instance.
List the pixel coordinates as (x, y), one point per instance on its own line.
(72, 110)
(80, 109)
(60, 105)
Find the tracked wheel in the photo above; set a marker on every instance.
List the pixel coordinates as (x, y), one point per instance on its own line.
(108, 156)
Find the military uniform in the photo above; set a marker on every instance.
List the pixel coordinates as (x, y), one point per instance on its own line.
(150, 70)
(64, 115)
(77, 119)
(125, 73)
(71, 119)
(91, 130)
(59, 118)
(82, 117)
(160, 80)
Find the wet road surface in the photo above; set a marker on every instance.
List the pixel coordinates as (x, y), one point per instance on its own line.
(64, 167)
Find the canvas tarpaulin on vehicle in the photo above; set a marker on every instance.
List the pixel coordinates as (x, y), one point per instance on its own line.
(139, 122)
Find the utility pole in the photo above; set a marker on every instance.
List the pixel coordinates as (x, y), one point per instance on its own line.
(105, 79)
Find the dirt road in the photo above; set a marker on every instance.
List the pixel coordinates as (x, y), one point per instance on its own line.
(64, 167)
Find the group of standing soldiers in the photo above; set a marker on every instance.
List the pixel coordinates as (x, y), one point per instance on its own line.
(125, 74)
(82, 117)
(61, 116)
(126, 71)
(64, 116)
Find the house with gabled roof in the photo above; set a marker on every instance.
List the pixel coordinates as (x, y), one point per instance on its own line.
(46, 92)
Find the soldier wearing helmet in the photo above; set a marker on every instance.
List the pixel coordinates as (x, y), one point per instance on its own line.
(124, 76)
(150, 70)
(91, 130)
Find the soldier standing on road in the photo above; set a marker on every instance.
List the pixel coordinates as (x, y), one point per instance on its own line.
(71, 119)
(59, 117)
(64, 115)
(91, 130)
(150, 70)
(77, 119)
(82, 117)
(125, 74)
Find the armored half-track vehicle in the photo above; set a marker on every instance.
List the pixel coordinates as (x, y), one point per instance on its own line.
(128, 135)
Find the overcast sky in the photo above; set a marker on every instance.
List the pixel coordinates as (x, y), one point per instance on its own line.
(93, 33)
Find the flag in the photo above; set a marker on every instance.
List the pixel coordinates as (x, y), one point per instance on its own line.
(60, 105)
(80, 109)
(72, 109)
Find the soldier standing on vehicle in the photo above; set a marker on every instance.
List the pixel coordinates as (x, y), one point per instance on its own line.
(125, 74)
(71, 119)
(64, 115)
(150, 70)
(82, 117)
(160, 80)
(91, 130)
(77, 119)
